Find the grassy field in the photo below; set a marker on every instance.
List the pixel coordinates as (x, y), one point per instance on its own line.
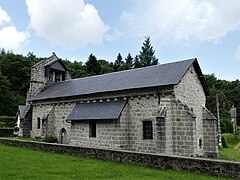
(21, 163)
(231, 153)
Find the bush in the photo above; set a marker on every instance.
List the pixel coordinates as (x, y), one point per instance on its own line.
(8, 121)
(50, 139)
(2, 124)
(238, 130)
(6, 132)
(229, 137)
(224, 142)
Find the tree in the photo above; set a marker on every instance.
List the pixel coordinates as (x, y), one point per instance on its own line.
(137, 63)
(31, 55)
(106, 67)
(128, 64)
(118, 62)
(8, 104)
(17, 69)
(129, 60)
(3, 51)
(92, 65)
(147, 57)
(76, 69)
(217, 88)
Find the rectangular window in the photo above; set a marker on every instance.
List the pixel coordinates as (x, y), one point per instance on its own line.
(50, 78)
(57, 76)
(92, 129)
(38, 123)
(147, 130)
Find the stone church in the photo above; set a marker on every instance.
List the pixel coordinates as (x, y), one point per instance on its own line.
(156, 109)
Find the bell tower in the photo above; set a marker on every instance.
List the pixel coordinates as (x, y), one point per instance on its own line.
(46, 73)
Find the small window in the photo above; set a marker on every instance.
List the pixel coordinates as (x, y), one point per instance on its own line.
(92, 129)
(57, 76)
(200, 143)
(38, 123)
(50, 78)
(147, 130)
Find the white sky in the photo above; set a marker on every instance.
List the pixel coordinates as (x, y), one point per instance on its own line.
(208, 30)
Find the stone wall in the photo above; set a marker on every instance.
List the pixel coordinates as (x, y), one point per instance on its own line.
(183, 130)
(38, 80)
(55, 116)
(58, 116)
(173, 124)
(191, 92)
(174, 133)
(125, 133)
(110, 134)
(26, 123)
(142, 109)
(195, 165)
(210, 140)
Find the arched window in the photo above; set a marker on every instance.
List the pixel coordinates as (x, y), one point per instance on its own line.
(63, 136)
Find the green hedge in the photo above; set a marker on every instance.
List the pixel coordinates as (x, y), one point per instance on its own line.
(7, 121)
(229, 137)
(224, 142)
(6, 132)
(50, 139)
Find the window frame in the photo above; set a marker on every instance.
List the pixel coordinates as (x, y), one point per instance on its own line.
(147, 130)
(57, 76)
(93, 129)
(38, 123)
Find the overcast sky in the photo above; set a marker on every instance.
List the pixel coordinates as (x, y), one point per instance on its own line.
(179, 29)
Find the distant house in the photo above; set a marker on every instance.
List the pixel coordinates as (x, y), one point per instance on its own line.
(156, 109)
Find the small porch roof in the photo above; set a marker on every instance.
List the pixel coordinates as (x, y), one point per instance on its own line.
(101, 110)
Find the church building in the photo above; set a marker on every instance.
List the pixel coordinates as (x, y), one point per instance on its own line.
(156, 109)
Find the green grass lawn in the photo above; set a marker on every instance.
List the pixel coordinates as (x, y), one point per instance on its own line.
(22, 163)
(231, 153)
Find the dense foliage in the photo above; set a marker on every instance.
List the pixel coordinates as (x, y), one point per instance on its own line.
(228, 94)
(50, 139)
(7, 121)
(6, 132)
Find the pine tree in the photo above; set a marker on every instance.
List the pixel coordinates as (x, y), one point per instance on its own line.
(92, 65)
(118, 62)
(147, 57)
(137, 63)
(129, 60)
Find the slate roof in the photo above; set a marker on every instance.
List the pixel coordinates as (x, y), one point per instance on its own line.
(97, 110)
(57, 65)
(21, 109)
(152, 76)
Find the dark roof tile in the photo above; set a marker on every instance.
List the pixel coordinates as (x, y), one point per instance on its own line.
(97, 110)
